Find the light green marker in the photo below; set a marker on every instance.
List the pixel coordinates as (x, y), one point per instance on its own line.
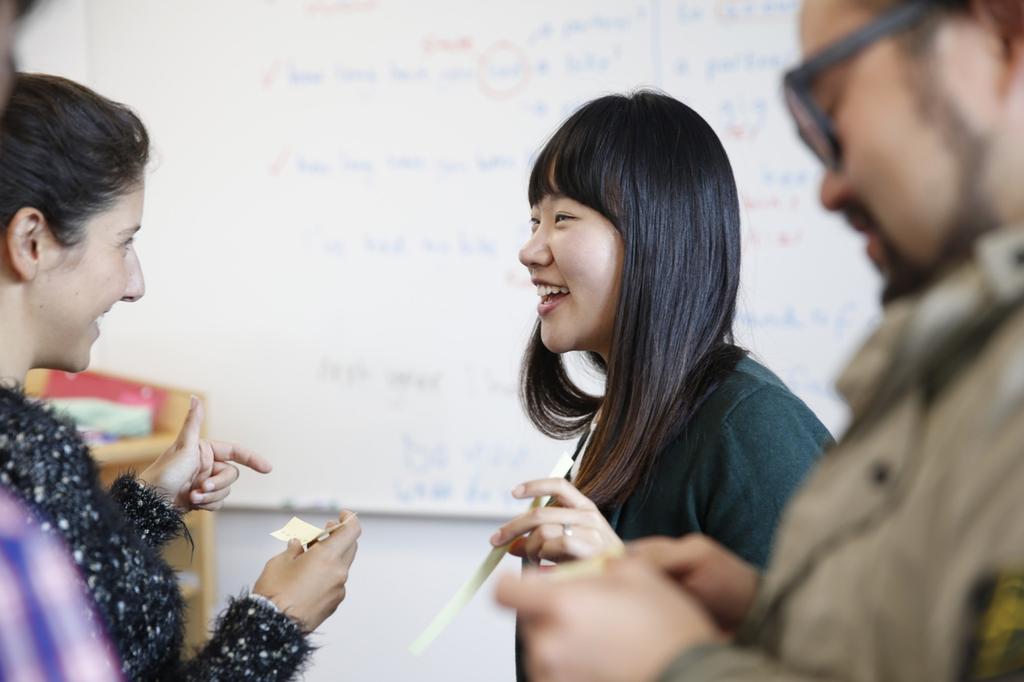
(473, 585)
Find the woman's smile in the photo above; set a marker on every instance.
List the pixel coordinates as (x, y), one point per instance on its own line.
(550, 297)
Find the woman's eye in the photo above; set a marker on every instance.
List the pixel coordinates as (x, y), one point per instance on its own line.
(534, 224)
(128, 244)
(561, 217)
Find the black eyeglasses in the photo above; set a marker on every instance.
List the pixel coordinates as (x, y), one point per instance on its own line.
(814, 125)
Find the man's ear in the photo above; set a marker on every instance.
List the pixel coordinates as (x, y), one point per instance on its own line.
(24, 241)
(1005, 17)
(1005, 20)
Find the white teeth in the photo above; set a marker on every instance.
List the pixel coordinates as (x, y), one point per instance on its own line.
(545, 290)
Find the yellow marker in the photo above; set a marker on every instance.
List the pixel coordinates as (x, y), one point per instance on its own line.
(306, 533)
(585, 568)
(465, 594)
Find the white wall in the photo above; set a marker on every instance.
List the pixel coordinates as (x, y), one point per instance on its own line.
(405, 571)
(54, 39)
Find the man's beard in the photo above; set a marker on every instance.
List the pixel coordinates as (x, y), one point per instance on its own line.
(902, 276)
(973, 214)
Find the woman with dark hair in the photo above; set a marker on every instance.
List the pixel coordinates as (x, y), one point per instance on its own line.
(46, 633)
(72, 167)
(635, 253)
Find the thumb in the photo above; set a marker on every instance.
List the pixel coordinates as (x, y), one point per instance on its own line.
(188, 437)
(294, 549)
(529, 594)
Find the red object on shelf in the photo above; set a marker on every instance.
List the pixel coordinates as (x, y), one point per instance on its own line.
(92, 385)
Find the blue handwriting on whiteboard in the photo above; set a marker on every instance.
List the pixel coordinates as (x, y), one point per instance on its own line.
(476, 473)
(839, 322)
(756, 10)
(747, 63)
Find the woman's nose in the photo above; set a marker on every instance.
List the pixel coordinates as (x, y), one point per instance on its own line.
(535, 252)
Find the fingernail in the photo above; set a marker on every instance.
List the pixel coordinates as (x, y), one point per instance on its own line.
(518, 491)
(197, 497)
(208, 485)
(496, 539)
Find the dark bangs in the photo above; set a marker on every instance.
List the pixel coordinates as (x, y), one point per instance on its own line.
(584, 159)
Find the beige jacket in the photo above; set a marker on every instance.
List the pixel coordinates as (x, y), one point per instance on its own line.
(878, 562)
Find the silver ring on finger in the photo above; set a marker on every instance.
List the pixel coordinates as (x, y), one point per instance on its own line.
(567, 530)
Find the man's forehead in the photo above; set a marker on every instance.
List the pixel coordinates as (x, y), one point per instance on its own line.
(823, 22)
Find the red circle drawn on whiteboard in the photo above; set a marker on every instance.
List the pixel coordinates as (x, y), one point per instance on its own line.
(511, 53)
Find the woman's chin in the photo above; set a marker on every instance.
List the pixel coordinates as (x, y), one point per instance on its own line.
(71, 367)
(555, 344)
(71, 363)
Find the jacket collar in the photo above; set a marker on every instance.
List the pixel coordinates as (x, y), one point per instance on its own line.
(913, 329)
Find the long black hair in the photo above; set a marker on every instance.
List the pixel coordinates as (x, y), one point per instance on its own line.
(68, 152)
(656, 170)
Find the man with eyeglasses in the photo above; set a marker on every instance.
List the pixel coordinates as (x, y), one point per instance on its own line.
(903, 556)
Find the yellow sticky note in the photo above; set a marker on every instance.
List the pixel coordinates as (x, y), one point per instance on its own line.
(479, 577)
(307, 533)
(299, 530)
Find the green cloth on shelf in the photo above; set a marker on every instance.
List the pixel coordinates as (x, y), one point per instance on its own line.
(116, 419)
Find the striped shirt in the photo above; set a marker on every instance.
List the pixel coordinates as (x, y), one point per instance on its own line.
(47, 629)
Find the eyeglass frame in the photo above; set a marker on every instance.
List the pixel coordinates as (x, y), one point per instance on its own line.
(798, 82)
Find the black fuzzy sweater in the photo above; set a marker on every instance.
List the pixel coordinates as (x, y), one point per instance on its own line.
(115, 540)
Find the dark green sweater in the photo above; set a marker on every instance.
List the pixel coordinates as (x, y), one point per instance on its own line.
(729, 475)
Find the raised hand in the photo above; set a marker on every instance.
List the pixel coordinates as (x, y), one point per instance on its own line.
(197, 473)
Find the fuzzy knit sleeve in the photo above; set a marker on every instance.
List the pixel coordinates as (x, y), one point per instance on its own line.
(251, 641)
(153, 516)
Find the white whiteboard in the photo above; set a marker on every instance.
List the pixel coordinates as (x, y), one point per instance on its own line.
(338, 199)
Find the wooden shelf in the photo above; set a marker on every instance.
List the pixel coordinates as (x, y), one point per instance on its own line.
(131, 450)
